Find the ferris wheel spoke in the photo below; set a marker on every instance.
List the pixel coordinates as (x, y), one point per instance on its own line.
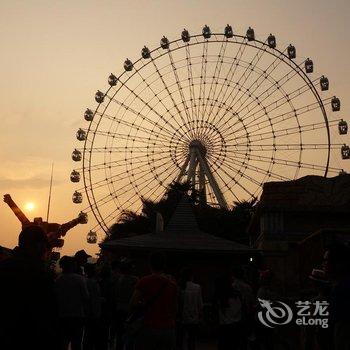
(179, 86)
(247, 72)
(191, 82)
(140, 139)
(154, 94)
(280, 102)
(121, 207)
(122, 190)
(216, 75)
(265, 172)
(286, 147)
(202, 84)
(121, 175)
(276, 119)
(276, 86)
(145, 118)
(146, 104)
(170, 94)
(137, 127)
(240, 174)
(231, 73)
(228, 188)
(119, 163)
(128, 205)
(116, 177)
(287, 162)
(278, 83)
(286, 132)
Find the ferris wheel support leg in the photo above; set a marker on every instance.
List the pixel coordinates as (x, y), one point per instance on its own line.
(202, 192)
(214, 185)
(192, 167)
(183, 169)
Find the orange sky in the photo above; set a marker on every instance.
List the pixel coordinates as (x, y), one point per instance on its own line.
(55, 55)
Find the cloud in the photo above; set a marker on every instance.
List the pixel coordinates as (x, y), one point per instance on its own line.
(29, 183)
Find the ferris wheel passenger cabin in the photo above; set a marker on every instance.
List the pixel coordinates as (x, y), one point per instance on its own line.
(206, 32)
(112, 80)
(81, 135)
(345, 151)
(324, 83)
(335, 104)
(164, 43)
(185, 36)
(250, 34)
(89, 115)
(99, 96)
(343, 127)
(77, 197)
(75, 176)
(309, 66)
(145, 52)
(228, 31)
(128, 66)
(271, 41)
(292, 52)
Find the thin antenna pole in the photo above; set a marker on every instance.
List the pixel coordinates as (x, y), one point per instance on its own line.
(49, 201)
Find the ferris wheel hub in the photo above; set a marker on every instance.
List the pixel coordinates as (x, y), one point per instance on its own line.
(196, 144)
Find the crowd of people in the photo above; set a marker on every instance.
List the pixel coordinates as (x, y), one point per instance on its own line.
(91, 307)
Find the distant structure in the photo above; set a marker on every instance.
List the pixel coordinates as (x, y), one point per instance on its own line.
(54, 231)
(296, 220)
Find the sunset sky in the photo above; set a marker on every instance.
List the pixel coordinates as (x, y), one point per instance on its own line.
(56, 54)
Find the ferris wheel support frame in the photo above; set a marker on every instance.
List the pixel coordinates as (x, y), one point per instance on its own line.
(197, 159)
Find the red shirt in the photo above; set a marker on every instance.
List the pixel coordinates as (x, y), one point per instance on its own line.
(161, 313)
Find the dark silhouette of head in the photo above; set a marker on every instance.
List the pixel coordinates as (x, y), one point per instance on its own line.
(125, 266)
(157, 262)
(81, 257)
(336, 260)
(67, 264)
(33, 241)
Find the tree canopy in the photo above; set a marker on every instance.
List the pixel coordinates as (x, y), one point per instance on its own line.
(226, 223)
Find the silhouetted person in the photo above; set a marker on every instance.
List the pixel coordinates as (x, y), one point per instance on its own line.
(157, 292)
(249, 302)
(28, 313)
(230, 311)
(123, 290)
(73, 297)
(81, 258)
(337, 264)
(317, 337)
(92, 334)
(190, 310)
(106, 283)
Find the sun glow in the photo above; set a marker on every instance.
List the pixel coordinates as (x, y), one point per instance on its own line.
(30, 206)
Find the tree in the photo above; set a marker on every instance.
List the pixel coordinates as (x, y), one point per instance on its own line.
(226, 223)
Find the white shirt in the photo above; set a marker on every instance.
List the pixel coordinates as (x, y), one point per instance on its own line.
(231, 314)
(192, 303)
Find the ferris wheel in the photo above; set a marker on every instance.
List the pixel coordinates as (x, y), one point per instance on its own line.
(225, 112)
